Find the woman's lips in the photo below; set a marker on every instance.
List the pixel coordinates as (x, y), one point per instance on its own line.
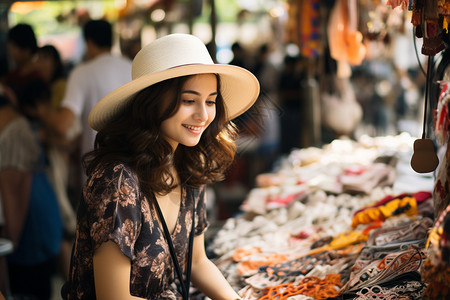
(193, 129)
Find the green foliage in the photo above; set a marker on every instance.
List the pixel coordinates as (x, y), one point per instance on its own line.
(56, 17)
(226, 11)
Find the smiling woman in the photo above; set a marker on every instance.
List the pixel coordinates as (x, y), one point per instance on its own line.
(161, 138)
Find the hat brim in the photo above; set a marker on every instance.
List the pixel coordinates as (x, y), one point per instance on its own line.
(239, 89)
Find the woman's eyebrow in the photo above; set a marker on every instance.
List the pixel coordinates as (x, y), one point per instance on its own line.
(197, 93)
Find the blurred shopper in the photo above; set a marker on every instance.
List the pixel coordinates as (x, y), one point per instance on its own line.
(21, 48)
(51, 68)
(268, 76)
(248, 124)
(101, 73)
(259, 128)
(161, 138)
(291, 104)
(60, 155)
(268, 112)
(240, 56)
(31, 211)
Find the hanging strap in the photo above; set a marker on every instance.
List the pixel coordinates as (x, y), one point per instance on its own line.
(184, 284)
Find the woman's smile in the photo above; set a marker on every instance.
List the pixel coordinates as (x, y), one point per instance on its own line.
(193, 129)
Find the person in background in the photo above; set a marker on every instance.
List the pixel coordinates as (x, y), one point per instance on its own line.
(60, 153)
(32, 218)
(289, 93)
(161, 139)
(51, 68)
(263, 118)
(240, 58)
(21, 47)
(88, 82)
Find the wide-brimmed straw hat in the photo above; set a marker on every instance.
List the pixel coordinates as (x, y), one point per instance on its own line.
(171, 56)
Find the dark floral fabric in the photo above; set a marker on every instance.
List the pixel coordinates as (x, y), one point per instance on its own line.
(113, 209)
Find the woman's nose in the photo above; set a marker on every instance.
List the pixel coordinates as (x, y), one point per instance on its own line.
(201, 112)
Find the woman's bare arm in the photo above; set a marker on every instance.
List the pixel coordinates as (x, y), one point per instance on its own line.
(207, 277)
(112, 273)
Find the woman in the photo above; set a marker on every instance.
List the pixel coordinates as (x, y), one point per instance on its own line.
(51, 68)
(161, 138)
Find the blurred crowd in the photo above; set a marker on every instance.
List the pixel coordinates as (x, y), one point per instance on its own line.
(43, 134)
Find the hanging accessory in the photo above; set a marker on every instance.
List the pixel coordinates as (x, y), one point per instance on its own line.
(424, 158)
(183, 283)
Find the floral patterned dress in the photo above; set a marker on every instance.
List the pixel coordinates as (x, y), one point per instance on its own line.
(114, 209)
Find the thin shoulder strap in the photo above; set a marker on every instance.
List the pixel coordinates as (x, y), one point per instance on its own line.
(191, 242)
(184, 284)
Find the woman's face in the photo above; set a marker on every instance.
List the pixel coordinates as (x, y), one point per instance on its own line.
(196, 111)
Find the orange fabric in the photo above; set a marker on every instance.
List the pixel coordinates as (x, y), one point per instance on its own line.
(376, 224)
(309, 30)
(319, 250)
(345, 41)
(240, 253)
(356, 51)
(310, 286)
(253, 262)
(341, 241)
(385, 211)
(347, 238)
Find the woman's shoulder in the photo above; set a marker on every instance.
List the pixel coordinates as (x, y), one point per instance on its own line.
(190, 187)
(117, 166)
(113, 173)
(115, 182)
(195, 191)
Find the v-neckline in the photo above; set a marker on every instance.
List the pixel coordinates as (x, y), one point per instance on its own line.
(180, 209)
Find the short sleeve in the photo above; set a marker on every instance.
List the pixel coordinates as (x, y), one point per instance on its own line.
(18, 147)
(114, 212)
(201, 221)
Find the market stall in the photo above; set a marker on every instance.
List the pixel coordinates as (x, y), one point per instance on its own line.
(353, 219)
(345, 219)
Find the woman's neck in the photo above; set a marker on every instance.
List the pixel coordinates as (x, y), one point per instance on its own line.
(173, 172)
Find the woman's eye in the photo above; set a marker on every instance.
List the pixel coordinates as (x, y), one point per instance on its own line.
(211, 103)
(186, 101)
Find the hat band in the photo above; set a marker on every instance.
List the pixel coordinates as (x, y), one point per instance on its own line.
(184, 65)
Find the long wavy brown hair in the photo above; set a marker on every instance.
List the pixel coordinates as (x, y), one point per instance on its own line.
(135, 138)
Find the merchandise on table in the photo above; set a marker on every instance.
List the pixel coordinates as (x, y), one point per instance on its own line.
(326, 225)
